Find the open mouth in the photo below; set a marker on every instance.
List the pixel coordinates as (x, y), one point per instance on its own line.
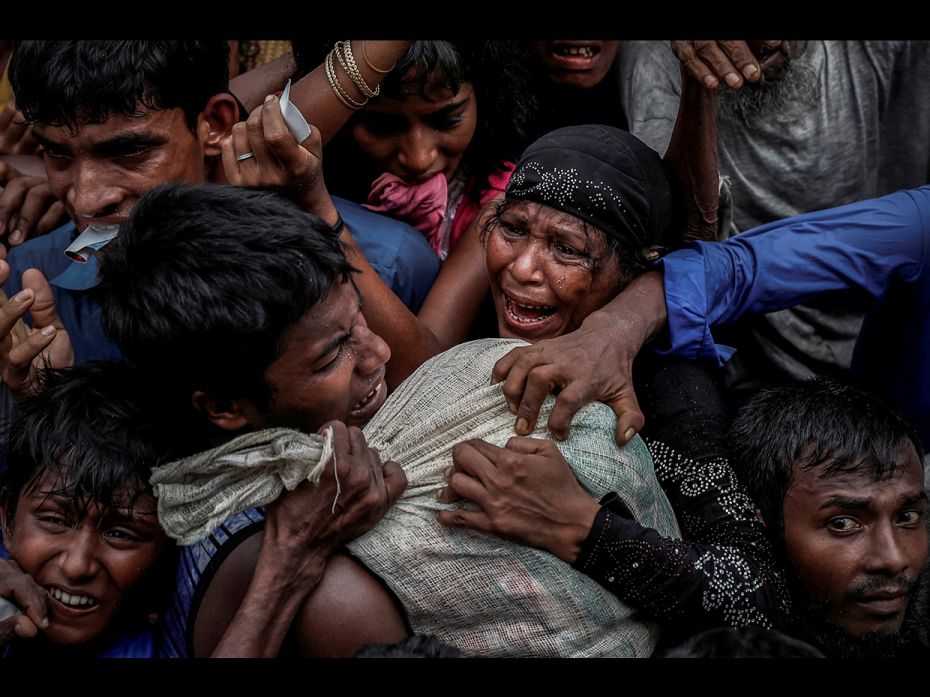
(73, 601)
(524, 314)
(371, 402)
(575, 56)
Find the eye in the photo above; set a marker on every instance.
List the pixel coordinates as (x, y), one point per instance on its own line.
(446, 122)
(510, 230)
(911, 518)
(123, 535)
(52, 519)
(568, 251)
(844, 524)
(52, 152)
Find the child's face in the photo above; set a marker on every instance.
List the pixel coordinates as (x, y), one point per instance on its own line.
(418, 136)
(87, 560)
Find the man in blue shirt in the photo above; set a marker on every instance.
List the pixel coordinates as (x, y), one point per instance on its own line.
(148, 113)
(879, 246)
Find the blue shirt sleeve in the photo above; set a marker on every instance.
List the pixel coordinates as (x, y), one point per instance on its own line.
(866, 245)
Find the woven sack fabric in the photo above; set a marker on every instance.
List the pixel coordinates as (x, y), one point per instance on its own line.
(482, 594)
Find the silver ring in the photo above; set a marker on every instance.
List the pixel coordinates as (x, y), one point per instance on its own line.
(244, 156)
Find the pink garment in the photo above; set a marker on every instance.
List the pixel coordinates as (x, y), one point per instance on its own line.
(421, 205)
(424, 205)
(469, 208)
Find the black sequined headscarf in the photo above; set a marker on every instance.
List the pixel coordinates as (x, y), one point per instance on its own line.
(608, 178)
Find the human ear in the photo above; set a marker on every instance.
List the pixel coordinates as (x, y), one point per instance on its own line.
(225, 414)
(215, 122)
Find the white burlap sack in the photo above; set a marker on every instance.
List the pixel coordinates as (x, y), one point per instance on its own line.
(482, 594)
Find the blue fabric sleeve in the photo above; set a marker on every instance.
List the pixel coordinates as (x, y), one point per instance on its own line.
(866, 245)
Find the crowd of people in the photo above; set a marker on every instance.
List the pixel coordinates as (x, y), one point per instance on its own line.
(464, 348)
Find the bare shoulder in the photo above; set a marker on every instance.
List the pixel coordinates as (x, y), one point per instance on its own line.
(349, 609)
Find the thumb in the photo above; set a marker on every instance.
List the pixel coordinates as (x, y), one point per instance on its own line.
(630, 419)
(395, 480)
(43, 310)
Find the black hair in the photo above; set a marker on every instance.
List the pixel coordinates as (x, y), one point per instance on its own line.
(68, 83)
(743, 642)
(817, 423)
(495, 69)
(91, 426)
(203, 280)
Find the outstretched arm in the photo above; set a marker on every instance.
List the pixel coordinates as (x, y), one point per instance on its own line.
(258, 591)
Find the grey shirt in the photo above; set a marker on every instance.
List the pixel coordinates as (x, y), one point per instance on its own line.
(865, 135)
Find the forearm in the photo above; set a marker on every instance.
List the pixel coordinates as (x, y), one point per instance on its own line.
(462, 285)
(314, 96)
(636, 315)
(280, 584)
(253, 86)
(692, 155)
(410, 340)
(680, 581)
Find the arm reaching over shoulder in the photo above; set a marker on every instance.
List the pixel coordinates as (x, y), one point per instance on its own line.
(303, 529)
(721, 572)
(593, 363)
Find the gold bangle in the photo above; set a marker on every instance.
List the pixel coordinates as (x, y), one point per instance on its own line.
(347, 60)
(338, 90)
(368, 62)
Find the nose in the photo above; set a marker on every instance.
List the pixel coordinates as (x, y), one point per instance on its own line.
(373, 352)
(526, 267)
(417, 152)
(93, 193)
(888, 552)
(78, 561)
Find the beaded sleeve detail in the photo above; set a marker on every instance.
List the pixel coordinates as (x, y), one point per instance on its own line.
(722, 572)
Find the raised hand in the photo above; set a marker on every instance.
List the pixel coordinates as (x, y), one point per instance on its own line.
(24, 350)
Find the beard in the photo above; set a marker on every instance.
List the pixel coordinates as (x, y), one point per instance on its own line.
(795, 91)
(807, 623)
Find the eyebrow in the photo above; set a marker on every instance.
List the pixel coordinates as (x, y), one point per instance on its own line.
(861, 504)
(844, 502)
(116, 143)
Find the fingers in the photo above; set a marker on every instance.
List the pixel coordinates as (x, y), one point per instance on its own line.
(38, 201)
(291, 155)
(630, 419)
(530, 446)
(31, 598)
(504, 367)
(44, 313)
(228, 156)
(567, 404)
(712, 61)
(395, 481)
(742, 58)
(11, 313)
(461, 518)
(475, 458)
(11, 201)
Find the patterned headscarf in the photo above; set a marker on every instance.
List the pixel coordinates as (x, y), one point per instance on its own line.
(605, 176)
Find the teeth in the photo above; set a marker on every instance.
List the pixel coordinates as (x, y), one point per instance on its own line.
(585, 51)
(544, 311)
(72, 599)
(368, 397)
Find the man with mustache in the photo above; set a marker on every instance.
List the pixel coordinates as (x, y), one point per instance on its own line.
(837, 478)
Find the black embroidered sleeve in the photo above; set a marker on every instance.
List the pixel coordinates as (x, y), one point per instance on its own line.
(722, 571)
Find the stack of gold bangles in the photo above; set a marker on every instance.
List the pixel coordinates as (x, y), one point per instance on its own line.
(343, 53)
